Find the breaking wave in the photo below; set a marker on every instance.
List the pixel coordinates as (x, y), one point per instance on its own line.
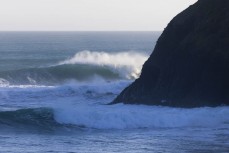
(57, 74)
(126, 64)
(84, 66)
(117, 117)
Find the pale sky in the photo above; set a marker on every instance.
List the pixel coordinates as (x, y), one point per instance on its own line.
(88, 15)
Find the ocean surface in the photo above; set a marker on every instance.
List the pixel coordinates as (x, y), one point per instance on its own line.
(54, 87)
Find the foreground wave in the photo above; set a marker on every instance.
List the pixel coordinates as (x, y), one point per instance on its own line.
(115, 117)
(41, 118)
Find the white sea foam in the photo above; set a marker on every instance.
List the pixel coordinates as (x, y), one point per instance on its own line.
(25, 87)
(79, 103)
(4, 82)
(130, 116)
(127, 64)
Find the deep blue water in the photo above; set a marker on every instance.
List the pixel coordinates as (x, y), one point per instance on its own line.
(54, 87)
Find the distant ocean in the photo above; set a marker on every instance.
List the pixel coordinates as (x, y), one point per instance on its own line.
(54, 87)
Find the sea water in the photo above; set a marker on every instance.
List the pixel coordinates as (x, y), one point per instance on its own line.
(55, 87)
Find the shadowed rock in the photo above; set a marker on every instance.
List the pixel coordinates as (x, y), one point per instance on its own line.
(189, 66)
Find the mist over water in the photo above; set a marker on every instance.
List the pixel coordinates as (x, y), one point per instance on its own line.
(55, 87)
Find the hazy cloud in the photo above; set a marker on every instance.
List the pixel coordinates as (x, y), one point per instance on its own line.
(89, 14)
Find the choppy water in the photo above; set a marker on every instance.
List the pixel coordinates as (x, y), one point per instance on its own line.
(54, 87)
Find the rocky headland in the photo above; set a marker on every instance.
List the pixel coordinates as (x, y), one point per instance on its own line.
(189, 66)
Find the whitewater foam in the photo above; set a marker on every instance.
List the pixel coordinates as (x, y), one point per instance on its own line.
(4, 82)
(117, 117)
(84, 66)
(127, 64)
(130, 116)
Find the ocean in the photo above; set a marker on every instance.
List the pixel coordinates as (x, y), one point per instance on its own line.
(55, 87)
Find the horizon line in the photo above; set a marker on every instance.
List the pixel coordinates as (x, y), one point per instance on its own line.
(80, 31)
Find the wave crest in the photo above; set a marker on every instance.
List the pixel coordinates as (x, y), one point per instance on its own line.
(132, 117)
(115, 117)
(126, 64)
(83, 66)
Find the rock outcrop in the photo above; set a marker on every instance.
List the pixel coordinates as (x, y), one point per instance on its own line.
(189, 66)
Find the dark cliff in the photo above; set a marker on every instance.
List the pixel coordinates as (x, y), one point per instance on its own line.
(189, 66)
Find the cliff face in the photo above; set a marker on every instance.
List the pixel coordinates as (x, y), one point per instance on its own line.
(189, 66)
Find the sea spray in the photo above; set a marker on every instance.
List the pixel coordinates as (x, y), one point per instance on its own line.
(126, 64)
(83, 66)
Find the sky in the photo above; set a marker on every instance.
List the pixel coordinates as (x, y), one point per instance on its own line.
(88, 15)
